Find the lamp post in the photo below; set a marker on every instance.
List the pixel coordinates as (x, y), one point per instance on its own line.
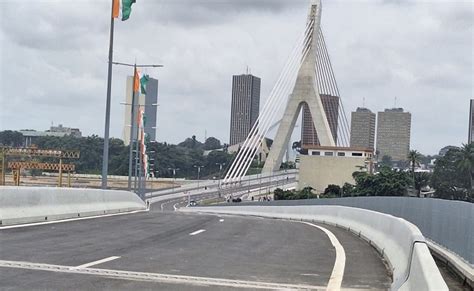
(198, 172)
(174, 174)
(133, 111)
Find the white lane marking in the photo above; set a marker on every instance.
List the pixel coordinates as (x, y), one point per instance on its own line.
(156, 277)
(97, 262)
(174, 206)
(221, 220)
(68, 220)
(197, 232)
(337, 274)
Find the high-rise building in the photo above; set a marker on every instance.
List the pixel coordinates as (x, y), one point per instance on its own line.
(363, 128)
(309, 136)
(245, 106)
(147, 101)
(393, 134)
(471, 122)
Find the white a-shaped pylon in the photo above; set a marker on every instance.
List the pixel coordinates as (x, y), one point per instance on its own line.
(306, 73)
(304, 91)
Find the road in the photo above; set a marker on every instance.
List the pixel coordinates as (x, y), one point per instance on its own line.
(177, 251)
(180, 199)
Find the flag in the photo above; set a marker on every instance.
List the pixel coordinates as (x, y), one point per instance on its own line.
(143, 81)
(136, 82)
(126, 8)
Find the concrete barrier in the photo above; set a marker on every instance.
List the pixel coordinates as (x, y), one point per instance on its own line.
(19, 205)
(399, 241)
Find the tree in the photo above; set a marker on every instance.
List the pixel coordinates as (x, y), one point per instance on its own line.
(386, 161)
(333, 190)
(347, 190)
(387, 182)
(465, 164)
(212, 143)
(447, 180)
(11, 138)
(414, 158)
(421, 179)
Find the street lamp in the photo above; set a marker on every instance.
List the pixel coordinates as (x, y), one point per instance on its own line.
(198, 171)
(174, 174)
(105, 158)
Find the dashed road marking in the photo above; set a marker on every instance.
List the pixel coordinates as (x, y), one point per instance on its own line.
(221, 220)
(197, 232)
(97, 262)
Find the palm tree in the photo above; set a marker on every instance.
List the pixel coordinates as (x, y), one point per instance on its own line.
(414, 158)
(465, 163)
(422, 179)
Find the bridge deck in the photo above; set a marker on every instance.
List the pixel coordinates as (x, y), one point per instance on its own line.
(257, 252)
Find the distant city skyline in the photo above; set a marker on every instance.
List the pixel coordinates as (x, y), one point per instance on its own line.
(371, 58)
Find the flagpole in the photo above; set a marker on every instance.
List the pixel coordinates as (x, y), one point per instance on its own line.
(105, 156)
(132, 126)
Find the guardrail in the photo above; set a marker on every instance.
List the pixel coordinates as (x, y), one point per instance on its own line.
(398, 240)
(448, 223)
(20, 205)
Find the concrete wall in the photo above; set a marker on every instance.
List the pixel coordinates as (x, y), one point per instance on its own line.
(20, 205)
(320, 171)
(401, 242)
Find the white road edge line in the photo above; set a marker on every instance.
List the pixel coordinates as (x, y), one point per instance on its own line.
(197, 232)
(337, 274)
(221, 220)
(174, 206)
(96, 262)
(157, 277)
(68, 220)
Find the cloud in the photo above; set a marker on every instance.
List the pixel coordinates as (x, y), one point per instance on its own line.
(54, 60)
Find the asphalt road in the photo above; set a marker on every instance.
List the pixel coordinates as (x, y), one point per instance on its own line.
(173, 203)
(177, 251)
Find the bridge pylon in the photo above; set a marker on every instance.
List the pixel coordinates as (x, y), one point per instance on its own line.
(305, 91)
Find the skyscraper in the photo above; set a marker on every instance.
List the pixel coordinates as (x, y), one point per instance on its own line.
(363, 128)
(148, 102)
(471, 122)
(309, 136)
(393, 134)
(245, 106)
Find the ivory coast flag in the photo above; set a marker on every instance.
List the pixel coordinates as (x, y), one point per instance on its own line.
(126, 6)
(143, 81)
(136, 81)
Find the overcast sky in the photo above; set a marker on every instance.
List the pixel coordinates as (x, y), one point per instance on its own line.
(53, 57)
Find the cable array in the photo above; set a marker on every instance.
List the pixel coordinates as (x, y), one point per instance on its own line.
(326, 84)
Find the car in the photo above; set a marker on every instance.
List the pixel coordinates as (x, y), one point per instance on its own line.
(193, 203)
(238, 199)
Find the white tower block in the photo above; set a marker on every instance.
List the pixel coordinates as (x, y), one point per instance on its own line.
(305, 91)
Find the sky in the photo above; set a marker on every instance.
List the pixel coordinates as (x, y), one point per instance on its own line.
(412, 54)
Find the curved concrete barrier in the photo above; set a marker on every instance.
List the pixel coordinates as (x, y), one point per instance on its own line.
(19, 205)
(398, 240)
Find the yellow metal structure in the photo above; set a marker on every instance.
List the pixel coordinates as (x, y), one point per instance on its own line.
(42, 166)
(34, 152)
(16, 166)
